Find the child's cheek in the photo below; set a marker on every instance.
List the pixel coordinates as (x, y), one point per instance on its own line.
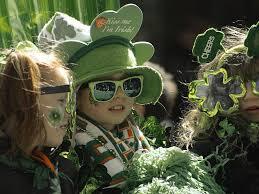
(91, 100)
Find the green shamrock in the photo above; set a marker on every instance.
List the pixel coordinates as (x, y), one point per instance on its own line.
(61, 34)
(217, 92)
(227, 129)
(252, 41)
(124, 22)
(207, 45)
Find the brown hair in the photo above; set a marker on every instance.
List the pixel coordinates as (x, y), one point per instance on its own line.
(20, 83)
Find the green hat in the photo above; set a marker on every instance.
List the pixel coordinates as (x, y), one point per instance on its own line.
(110, 51)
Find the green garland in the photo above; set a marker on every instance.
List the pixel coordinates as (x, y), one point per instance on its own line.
(152, 130)
(170, 170)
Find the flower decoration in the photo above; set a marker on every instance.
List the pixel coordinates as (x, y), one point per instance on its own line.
(252, 41)
(207, 45)
(216, 92)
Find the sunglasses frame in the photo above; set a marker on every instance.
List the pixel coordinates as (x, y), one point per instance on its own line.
(118, 83)
(253, 87)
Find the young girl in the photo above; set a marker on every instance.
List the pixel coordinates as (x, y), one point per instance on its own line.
(34, 89)
(110, 78)
(223, 125)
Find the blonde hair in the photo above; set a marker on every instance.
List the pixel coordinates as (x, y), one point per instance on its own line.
(20, 83)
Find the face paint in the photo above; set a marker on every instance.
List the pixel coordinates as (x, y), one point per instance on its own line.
(56, 116)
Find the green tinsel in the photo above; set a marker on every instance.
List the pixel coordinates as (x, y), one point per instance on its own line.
(71, 109)
(152, 130)
(170, 170)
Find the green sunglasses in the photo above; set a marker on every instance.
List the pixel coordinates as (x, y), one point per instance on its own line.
(105, 90)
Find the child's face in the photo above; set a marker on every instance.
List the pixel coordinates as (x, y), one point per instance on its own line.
(249, 105)
(53, 109)
(107, 113)
(140, 109)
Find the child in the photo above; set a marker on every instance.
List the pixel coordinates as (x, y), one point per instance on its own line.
(223, 125)
(34, 89)
(110, 78)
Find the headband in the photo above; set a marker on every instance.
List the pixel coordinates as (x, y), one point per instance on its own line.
(216, 91)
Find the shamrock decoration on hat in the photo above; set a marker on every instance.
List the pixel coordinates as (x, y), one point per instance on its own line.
(207, 45)
(109, 50)
(63, 27)
(252, 41)
(217, 92)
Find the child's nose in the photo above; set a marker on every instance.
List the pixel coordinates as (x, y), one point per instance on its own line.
(120, 92)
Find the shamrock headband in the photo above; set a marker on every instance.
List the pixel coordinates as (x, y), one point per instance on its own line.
(216, 91)
(208, 44)
(55, 89)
